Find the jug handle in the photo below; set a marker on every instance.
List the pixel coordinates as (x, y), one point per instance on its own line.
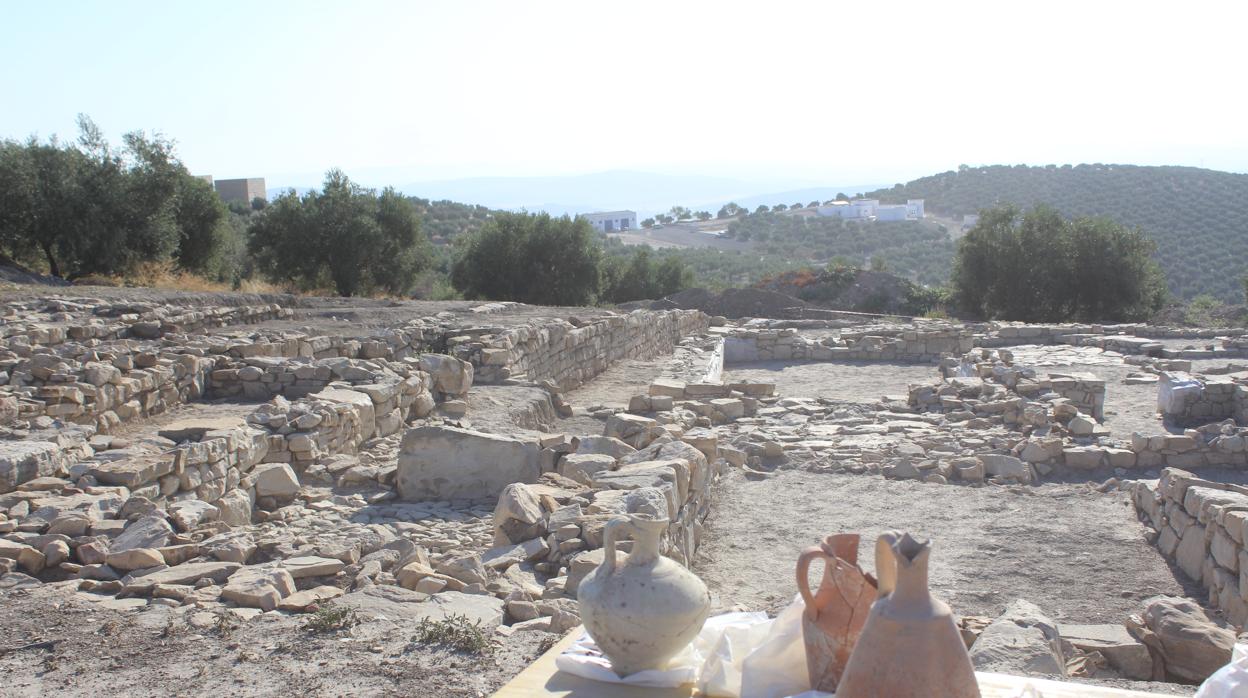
(803, 581)
(618, 527)
(885, 563)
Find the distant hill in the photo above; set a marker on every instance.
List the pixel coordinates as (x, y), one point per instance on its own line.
(646, 193)
(443, 221)
(1198, 217)
(918, 250)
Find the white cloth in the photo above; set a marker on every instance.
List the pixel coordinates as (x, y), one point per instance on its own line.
(584, 659)
(1231, 681)
(737, 655)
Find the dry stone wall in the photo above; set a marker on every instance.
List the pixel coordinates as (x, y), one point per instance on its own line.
(919, 346)
(1200, 525)
(572, 353)
(1186, 400)
(55, 321)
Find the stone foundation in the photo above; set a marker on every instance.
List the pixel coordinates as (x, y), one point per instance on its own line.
(1200, 526)
(569, 354)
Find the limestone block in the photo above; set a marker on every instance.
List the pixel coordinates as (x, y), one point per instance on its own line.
(442, 462)
(451, 376)
(1190, 555)
(518, 515)
(258, 587)
(311, 566)
(1022, 640)
(1223, 549)
(1191, 645)
(275, 480)
(581, 467)
(135, 559)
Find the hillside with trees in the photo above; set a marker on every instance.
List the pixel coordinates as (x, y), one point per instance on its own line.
(1197, 217)
(444, 221)
(918, 250)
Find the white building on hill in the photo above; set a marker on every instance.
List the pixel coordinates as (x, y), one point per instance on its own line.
(872, 209)
(612, 221)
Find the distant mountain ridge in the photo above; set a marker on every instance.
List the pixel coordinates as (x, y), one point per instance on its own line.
(644, 192)
(1198, 217)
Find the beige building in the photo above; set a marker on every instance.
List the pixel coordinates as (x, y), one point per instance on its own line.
(241, 190)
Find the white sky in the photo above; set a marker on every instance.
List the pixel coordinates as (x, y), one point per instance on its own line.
(831, 92)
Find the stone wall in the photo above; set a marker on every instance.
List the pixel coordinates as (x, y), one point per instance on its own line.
(211, 459)
(102, 386)
(1200, 525)
(1005, 333)
(49, 323)
(914, 346)
(570, 354)
(1189, 400)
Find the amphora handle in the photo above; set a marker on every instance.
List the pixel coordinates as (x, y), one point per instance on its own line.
(886, 563)
(615, 528)
(803, 573)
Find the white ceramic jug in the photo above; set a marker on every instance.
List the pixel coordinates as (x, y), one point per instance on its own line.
(642, 612)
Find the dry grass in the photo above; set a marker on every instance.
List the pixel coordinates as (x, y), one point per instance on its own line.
(167, 276)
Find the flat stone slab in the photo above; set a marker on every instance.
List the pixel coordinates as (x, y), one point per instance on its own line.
(403, 606)
(133, 472)
(194, 429)
(186, 574)
(312, 566)
(21, 461)
(1126, 654)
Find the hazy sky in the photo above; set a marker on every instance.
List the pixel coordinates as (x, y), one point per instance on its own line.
(832, 92)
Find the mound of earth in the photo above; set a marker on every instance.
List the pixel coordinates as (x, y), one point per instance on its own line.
(874, 291)
(852, 289)
(17, 274)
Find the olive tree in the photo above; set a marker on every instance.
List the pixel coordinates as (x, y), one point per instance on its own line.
(530, 258)
(343, 235)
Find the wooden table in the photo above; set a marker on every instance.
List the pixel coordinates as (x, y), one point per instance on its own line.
(542, 680)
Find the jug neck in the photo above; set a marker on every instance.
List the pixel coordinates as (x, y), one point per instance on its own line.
(646, 541)
(912, 582)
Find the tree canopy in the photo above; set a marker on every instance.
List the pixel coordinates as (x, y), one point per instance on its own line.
(1038, 266)
(343, 235)
(638, 277)
(87, 208)
(530, 258)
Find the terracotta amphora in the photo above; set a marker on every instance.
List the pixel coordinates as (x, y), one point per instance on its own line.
(642, 612)
(910, 647)
(837, 610)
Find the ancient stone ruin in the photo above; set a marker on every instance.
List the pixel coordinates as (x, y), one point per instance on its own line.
(245, 462)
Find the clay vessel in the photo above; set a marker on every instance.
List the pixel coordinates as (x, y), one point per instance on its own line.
(645, 610)
(837, 611)
(910, 646)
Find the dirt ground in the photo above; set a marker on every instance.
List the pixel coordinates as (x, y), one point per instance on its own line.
(1128, 408)
(614, 386)
(992, 544)
(1078, 554)
(161, 651)
(847, 381)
